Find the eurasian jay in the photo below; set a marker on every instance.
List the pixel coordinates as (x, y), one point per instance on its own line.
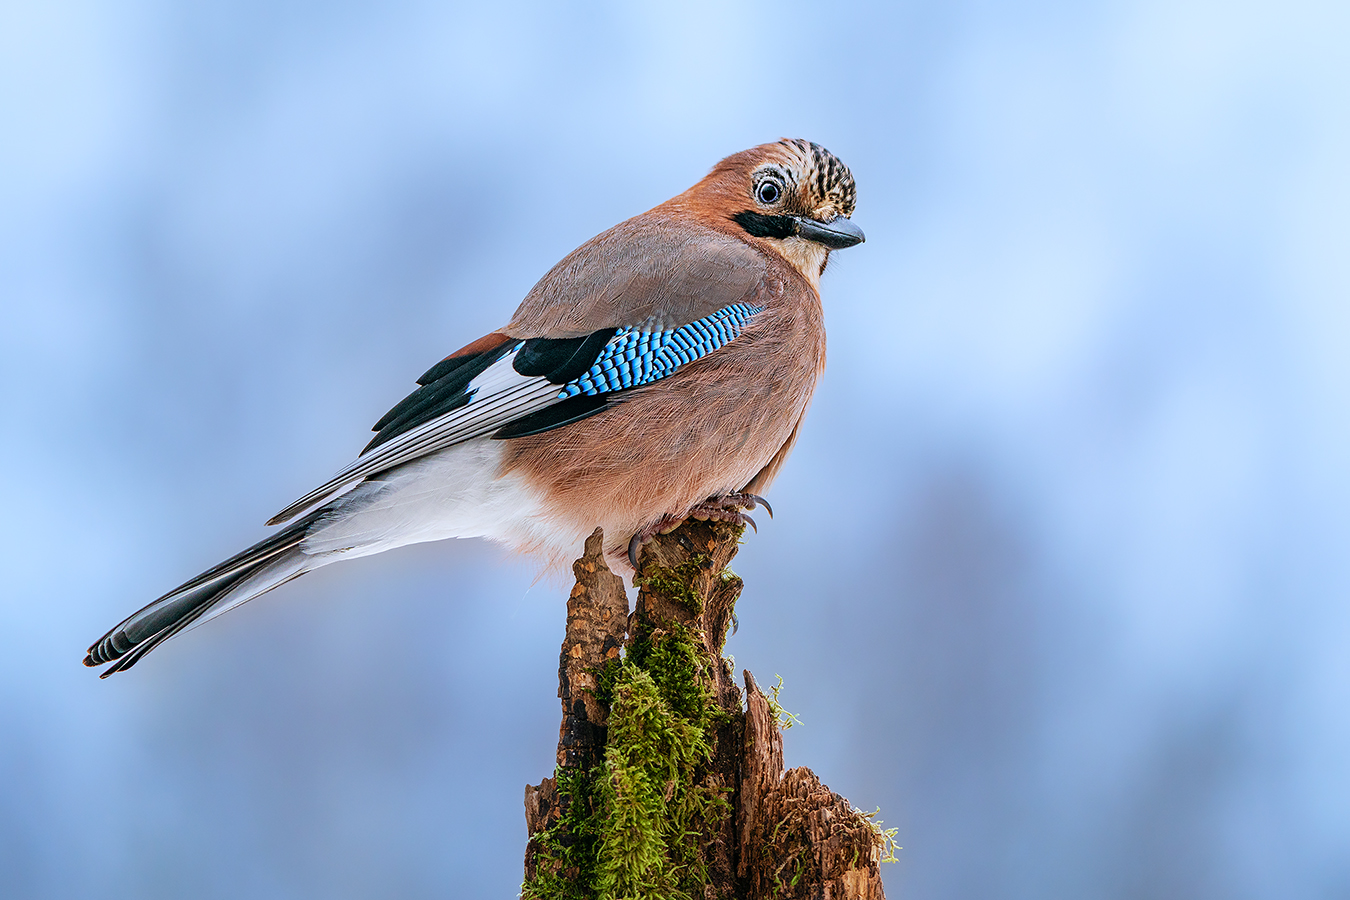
(661, 370)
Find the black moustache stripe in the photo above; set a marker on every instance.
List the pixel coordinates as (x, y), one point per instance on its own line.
(760, 225)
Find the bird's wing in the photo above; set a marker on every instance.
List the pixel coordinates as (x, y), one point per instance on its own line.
(515, 388)
(650, 268)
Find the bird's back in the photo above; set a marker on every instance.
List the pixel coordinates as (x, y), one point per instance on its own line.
(712, 426)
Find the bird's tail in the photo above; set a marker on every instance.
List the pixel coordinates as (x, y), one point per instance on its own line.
(266, 565)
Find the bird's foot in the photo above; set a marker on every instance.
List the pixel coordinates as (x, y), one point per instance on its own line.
(726, 508)
(731, 508)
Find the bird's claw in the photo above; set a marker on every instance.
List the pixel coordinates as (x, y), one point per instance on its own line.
(727, 508)
(730, 508)
(664, 525)
(759, 501)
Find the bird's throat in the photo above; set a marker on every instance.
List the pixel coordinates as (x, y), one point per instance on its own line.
(807, 257)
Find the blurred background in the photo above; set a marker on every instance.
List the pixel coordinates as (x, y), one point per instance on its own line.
(1059, 574)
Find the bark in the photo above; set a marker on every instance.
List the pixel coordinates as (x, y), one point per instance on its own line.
(766, 832)
(597, 620)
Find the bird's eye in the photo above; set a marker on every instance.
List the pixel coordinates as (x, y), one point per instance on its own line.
(768, 193)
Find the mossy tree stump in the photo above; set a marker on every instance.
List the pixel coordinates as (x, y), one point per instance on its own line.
(669, 783)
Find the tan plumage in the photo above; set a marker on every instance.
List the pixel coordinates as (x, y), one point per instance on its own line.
(723, 423)
(705, 431)
(507, 440)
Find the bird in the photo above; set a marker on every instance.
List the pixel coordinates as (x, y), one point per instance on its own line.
(661, 370)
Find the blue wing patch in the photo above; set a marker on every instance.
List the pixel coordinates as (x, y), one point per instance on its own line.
(633, 357)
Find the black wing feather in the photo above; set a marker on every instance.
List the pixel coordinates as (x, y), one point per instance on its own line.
(565, 412)
(561, 359)
(445, 367)
(445, 389)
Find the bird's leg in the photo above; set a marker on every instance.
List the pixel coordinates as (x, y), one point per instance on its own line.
(726, 508)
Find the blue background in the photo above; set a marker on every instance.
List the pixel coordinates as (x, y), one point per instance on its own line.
(1059, 575)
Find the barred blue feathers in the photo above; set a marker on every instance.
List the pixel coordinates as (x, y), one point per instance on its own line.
(634, 357)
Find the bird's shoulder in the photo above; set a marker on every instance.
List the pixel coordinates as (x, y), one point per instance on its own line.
(655, 267)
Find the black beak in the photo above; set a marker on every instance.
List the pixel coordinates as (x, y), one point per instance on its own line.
(836, 235)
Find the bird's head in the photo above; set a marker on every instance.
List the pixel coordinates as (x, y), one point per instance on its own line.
(793, 196)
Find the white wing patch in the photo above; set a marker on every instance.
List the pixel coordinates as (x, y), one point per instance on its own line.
(498, 395)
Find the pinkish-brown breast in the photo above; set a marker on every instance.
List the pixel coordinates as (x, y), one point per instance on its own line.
(706, 430)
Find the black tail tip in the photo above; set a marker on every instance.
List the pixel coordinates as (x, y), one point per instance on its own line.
(93, 659)
(104, 651)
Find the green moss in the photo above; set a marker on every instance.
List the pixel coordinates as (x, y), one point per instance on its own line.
(677, 582)
(884, 836)
(567, 850)
(649, 847)
(630, 827)
(606, 679)
(784, 718)
(672, 657)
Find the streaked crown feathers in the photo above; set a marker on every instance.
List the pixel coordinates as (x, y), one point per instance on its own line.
(815, 182)
(822, 178)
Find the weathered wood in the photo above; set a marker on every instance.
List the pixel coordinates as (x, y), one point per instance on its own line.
(684, 578)
(798, 839)
(764, 832)
(761, 771)
(597, 620)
